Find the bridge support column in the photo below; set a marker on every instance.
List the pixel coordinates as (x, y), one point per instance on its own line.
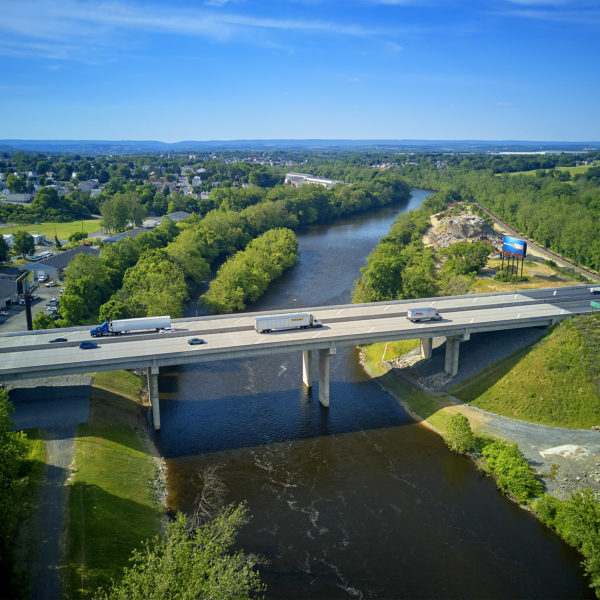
(426, 347)
(153, 395)
(452, 347)
(307, 368)
(324, 357)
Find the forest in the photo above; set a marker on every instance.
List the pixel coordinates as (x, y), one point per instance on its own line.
(159, 270)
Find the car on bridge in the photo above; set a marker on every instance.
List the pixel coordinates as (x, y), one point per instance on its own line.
(195, 341)
(55, 340)
(87, 345)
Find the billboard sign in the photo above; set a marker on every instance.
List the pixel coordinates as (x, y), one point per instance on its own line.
(25, 282)
(514, 246)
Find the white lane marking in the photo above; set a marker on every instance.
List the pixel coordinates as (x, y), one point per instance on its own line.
(339, 312)
(519, 316)
(474, 300)
(554, 294)
(420, 326)
(473, 320)
(388, 307)
(238, 320)
(316, 335)
(371, 329)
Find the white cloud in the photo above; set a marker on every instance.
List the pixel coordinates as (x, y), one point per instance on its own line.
(82, 21)
(585, 12)
(394, 47)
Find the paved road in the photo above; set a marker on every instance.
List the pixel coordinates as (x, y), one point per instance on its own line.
(60, 446)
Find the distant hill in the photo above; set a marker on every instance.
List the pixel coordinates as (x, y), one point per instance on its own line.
(557, 382)
(151, 146)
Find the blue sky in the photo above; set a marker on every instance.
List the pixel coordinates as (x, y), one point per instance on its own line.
(353, 69)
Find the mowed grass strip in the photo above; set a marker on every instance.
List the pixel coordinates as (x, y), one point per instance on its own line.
(434, 408)
(112, 508)
(123, 383)
(556, 383)
(49, 229)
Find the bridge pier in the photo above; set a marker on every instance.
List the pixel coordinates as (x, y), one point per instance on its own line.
(324, 357)
(307, 368)
(152, 373)
(426, 347)
(452, 350)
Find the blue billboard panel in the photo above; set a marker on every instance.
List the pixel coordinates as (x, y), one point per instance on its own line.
(514, 246)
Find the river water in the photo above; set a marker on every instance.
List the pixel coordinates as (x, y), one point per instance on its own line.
(354, 501)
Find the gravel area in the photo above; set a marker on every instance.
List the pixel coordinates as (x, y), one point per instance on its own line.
(575, 452)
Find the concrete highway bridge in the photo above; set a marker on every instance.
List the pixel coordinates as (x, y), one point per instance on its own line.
(25, 355)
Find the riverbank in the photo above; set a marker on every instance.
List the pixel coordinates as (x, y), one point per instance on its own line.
(116, 492)
(568, 460)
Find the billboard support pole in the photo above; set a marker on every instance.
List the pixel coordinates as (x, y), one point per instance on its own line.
(28, 311)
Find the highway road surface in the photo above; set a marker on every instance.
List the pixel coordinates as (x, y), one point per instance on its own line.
(30, 354)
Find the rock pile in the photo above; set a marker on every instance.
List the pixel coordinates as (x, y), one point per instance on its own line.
(463, 228)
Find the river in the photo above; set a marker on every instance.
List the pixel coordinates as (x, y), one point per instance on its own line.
(354, 501)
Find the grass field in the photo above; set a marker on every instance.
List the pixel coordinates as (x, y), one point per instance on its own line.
(571, 170)
(62, 230)
(375, 352)
(555, 383)
(111, 505)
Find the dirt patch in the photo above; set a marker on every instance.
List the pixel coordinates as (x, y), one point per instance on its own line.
(464, 227)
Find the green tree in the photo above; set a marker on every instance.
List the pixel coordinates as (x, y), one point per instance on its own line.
(157, 284)
(190, 562)
(12, 457)
(459, 435)
(77, 236)
(23, 243)
(16, 184)
(115, 212)
(115, 309)
(464, 258)
(577, 521)
(43, 321)
(87, 287)
(4, 249)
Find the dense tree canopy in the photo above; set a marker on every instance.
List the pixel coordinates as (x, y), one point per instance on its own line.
(188, 563)
(23, 243)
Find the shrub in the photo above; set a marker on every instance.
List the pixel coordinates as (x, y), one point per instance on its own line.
(513, 474)
(577, 521)
(459, 435)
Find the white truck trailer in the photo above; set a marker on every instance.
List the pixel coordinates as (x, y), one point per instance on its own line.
(125, 325)
(280, 322)
(423, 314)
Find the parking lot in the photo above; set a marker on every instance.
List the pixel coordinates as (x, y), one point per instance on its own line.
(16, 319)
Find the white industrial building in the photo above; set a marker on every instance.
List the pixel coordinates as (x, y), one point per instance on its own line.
(299, 179)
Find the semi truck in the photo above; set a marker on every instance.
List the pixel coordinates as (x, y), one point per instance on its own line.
(120, 326)
(423, 314)
(281, 322)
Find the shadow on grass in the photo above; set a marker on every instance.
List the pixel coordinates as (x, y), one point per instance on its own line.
(470, 389)
(103, 531)
(111, 415)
